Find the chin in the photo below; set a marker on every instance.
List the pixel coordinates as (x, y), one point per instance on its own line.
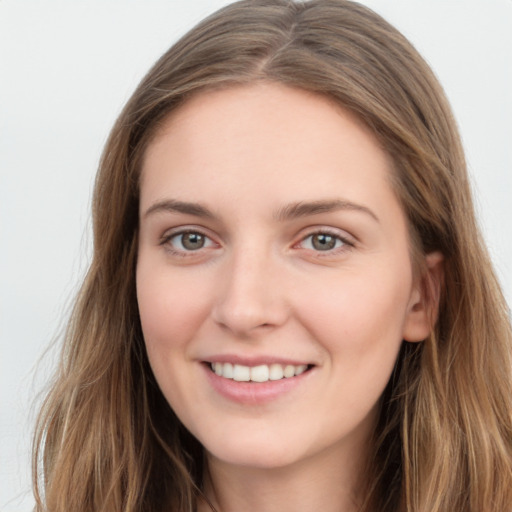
(254, 453)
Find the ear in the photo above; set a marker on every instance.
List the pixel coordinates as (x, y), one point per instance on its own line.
(424, 303)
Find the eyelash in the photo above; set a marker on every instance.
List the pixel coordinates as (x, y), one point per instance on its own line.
(346, 244)
(166, 240)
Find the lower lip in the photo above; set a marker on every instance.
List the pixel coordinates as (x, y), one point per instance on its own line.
(254, 393)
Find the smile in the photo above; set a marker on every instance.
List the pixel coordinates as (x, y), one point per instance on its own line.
(260, 373)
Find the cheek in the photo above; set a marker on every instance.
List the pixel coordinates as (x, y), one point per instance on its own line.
(171, 315)
(359, 320)
(358, 305)
(170, 312)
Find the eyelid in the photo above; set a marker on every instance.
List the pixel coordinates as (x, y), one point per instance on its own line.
(168, 235)
(348, 241)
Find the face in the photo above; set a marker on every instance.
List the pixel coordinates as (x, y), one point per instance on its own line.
(274, 278)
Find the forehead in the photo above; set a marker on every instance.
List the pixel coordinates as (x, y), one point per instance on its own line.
(263, 140)
(213, 112)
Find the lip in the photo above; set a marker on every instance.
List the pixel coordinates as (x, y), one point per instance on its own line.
(253, 393)
(254, 360)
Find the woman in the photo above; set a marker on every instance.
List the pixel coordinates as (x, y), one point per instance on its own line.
(289, 304)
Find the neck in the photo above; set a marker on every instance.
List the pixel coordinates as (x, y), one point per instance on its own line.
(323, 482)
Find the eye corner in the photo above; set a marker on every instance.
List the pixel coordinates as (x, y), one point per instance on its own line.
(187, 242)
(323, 242)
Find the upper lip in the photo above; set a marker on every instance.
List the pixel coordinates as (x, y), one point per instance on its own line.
(253, 360)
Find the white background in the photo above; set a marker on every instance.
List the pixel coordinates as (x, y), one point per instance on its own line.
(67, 67)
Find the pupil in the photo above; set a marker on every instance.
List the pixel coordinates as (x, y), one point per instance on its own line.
(323, 242)
(192, 241)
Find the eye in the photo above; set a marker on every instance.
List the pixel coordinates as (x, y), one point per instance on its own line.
(324, 242)
(188, 241)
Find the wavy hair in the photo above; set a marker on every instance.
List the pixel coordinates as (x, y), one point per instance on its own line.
(106, 438)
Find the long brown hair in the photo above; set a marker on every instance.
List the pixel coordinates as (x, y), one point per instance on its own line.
(108, 441)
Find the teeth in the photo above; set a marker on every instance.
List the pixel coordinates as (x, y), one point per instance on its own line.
(276, 372)
(240, 373)
(301, 369)
(227, 370)
(261, 373)
(289, 371)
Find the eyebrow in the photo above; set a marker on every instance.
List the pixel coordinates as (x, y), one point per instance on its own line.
(287, 212)
(304, 209)
(174, 206)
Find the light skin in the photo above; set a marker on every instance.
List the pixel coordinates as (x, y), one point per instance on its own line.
(270, 233)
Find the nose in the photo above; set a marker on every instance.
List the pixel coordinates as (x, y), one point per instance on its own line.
(252, 295)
